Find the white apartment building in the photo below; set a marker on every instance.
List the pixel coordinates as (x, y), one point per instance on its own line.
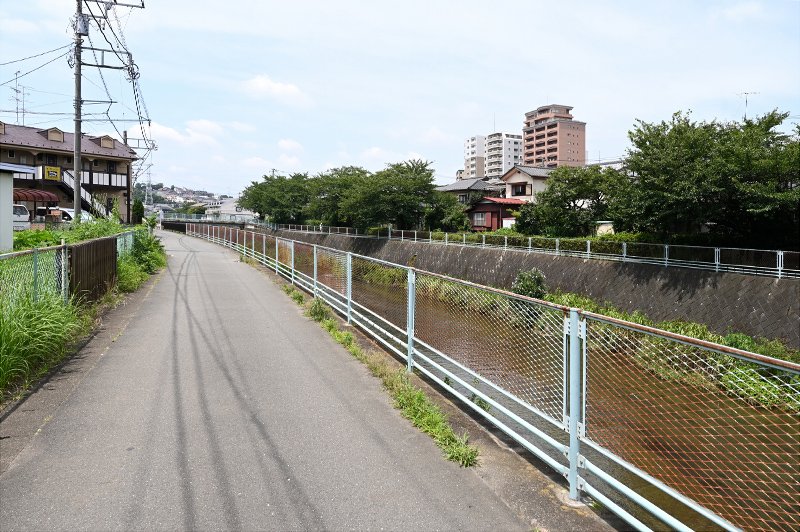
(474, 157)
(503, 152)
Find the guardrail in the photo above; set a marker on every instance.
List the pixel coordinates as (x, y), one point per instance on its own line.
(770, 263)
(658, 427)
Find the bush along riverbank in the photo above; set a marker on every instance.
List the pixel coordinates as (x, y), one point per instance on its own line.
(39, 330)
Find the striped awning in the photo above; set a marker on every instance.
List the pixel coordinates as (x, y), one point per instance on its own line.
(30, 194)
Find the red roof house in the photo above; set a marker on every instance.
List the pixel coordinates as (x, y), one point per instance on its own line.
(488, 214)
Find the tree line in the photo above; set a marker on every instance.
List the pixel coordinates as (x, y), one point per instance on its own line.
(402, 194)
(728, 183)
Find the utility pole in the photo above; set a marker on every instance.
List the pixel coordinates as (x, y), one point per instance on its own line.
(746, 95)
(81, 29)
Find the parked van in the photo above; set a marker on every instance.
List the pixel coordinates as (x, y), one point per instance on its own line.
(21, 219)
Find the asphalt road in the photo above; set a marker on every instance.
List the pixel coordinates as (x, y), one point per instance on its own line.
(219, 406)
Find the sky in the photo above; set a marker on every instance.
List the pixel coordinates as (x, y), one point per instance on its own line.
(236, 89)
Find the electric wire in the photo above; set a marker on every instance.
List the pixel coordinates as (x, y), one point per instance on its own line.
(35, 69)
(37, 55)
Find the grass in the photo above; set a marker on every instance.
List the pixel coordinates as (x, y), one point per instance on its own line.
(412, 402)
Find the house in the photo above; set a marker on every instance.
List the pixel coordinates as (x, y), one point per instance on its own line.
(488, 214)
(462, 189)
(523, 182)
(105, 161)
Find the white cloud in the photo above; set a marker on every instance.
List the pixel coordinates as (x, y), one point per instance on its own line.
(289, 145)
(241, 127)
(196, 133)
(740, 12)
(204, 127)
(261, 86)
(434, 135)
(288, 161)
(257, 162)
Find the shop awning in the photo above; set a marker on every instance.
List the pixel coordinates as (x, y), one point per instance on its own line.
(30, 194)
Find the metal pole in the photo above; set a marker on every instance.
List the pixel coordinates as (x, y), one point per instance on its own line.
(264, 249)
(445, 239)
(558, 245)
(64, 271)
(277, 256)
(315, 270)
(80, 28)
(574, 400)
(464, 238)
(415, 236)
(529, 243)
(291, 250)
(588, 249)
(505, 242)
(483, 241)
(412, 296)
(666, 254)
(780, 264)
(349, 287)
(35, 275)
(624, 250)
(716, 259)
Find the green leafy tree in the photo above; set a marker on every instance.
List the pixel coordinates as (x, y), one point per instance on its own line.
(575, 198)
(327, 191)
(137, 211)
(397, 195)
(739, 178)
(282, 199)
(444, 212)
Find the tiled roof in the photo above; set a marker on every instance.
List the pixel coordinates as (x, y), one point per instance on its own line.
(464, 184)
(533, 171)
(36, 138)
(505, 201)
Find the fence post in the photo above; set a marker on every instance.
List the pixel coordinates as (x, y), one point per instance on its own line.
(483, 241)
(349, 287)
(264, 249)
(558, 246)
(780, 264)
(390, 232)
(253, 250)
(415, 236)
(666, 254)
(574, 400)
(505, 242)
(412, 296)
(277, 256)
(445, 239)
(401, 235)
(624, 251)
(315, 271)
(716, 259)
(464, 238)
(529, 243)
(35, 275)
(64, 271)
(291, 251)
(588, 249)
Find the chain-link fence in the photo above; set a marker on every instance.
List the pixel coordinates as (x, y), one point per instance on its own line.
(660, 428)
(32, 273)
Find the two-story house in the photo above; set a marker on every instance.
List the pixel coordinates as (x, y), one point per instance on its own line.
(105, 162)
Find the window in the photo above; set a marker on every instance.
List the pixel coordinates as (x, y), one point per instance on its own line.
(52, 160)
(462, 198)
(68, 160)
(12, 154)
(23, 159)
(519, 189)
(40, 156)
(96, 163)
(112, 167)
(479, 218)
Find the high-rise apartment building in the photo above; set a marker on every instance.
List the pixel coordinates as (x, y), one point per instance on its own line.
(552, 138)
(503, 151)
(474, 157)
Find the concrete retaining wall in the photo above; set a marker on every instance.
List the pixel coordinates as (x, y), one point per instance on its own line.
(759, 306)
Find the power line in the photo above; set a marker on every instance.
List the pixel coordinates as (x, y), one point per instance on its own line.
(35, 69)
(37, 55)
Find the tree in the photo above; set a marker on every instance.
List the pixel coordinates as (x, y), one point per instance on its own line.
(739, 179)
(397, 195)
(137, 212)
(328, 189)
(575, 198)
(282, 199)
(445, 213)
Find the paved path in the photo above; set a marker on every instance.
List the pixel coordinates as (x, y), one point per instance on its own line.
(219, 406)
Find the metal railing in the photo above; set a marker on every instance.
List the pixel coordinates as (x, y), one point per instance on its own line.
(771, 263)
(658, 427)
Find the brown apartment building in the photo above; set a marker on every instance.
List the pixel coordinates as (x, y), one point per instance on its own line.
(552, 138)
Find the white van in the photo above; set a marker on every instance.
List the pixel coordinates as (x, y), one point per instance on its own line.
(21, 219)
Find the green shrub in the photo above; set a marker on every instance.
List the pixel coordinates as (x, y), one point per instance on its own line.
(318, 311)
(130, 275)
(148, 251)
(530, 283)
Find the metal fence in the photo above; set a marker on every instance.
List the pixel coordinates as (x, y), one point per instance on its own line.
(86, 270)
(771, 263)
(662, 429)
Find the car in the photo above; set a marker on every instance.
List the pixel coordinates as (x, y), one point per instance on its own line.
(69, 214)
(21, 218)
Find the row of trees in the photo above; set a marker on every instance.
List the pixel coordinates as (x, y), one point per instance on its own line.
(402, 194)
(740, 181)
